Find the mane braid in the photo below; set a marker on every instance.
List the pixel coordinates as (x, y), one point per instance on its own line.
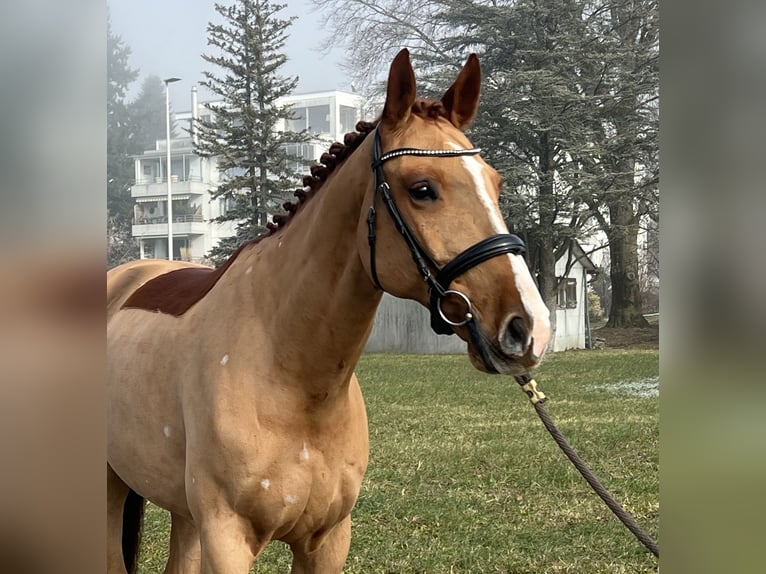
(313, 182)
(175, 292)
(425, 108)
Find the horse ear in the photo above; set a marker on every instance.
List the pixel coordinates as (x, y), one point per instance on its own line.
(400, 93)
(462, 99)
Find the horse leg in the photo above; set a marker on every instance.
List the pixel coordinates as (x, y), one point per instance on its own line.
(229, 545)
(116, 494)
(184, 547)
(329, 557)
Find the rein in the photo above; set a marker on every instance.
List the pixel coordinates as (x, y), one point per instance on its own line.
(537, 398)
(438, 284)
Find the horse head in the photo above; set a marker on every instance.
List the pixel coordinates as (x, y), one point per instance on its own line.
(431, 229)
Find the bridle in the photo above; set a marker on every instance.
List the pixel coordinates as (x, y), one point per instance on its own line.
(440, 279)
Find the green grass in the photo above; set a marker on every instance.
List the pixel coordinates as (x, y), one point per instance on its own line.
(463, 476)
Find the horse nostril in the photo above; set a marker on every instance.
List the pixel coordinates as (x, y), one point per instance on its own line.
(515, 337)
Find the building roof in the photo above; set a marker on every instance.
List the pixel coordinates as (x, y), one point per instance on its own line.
(579, 254)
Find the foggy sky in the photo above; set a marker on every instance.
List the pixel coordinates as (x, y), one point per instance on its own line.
(167, 39)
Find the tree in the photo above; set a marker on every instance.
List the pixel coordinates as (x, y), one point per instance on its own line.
(242, 130)
(567, 112)
(119, 165)
(147, 116)
(530, 118)
(625, 171)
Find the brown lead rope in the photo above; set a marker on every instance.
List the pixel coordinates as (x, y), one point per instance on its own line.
(537, 398)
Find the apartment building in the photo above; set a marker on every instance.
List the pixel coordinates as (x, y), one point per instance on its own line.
(328, 115)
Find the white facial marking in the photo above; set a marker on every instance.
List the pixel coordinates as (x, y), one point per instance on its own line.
(224, 359)
(248, 270)
(194, 480)
(530, 296)
(533, 305)
(166, 431)
(265, 484)
(476, 169)
(304, 456)
(291, 499)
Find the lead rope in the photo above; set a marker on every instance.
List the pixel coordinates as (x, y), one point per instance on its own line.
(537, 398)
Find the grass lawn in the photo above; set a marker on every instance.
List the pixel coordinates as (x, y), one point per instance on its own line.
(463, 476)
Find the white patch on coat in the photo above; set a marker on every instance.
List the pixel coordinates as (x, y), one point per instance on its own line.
(166, 431)
(304, 456)
(224, 359)
(265, 484)
(248, 270)
(291, 499)
(194, 480)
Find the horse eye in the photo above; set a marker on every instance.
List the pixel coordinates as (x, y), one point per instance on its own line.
(422, 191)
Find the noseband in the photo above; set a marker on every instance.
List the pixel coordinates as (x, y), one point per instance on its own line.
(440, 279)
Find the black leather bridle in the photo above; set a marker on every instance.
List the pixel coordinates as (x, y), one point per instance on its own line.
(441, 278)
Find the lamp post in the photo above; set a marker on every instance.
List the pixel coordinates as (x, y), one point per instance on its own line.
(170, 193)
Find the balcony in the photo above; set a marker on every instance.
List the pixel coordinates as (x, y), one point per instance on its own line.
(158, 186)
(158, 226)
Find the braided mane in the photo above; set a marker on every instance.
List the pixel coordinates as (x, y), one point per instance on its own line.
(175, 292)
(336, 154)
(319, 174)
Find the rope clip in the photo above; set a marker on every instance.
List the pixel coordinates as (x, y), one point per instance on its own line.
(535, 395)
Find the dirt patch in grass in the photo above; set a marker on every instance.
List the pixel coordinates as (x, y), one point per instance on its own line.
(630, 338)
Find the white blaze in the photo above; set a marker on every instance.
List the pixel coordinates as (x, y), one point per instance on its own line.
(530, 296)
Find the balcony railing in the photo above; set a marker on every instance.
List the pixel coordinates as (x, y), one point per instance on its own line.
(173, 179)
(163, 219)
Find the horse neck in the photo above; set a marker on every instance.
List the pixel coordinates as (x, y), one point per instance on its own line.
(314, 300)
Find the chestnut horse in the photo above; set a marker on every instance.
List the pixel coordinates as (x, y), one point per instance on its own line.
(232, 399)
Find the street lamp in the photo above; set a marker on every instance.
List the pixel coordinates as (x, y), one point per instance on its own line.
(170, 193)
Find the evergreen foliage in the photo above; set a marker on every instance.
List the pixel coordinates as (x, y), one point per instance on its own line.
(147, 116)
(241, 131)
(119, 165)
(568, 112)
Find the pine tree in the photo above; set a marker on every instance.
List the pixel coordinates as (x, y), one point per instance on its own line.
(568, 112)
(119, 165)
(146, 114)
(242, 131)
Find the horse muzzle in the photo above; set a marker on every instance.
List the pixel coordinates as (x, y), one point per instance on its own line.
(512, 354)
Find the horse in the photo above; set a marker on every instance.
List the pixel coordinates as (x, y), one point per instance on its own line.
(232, 398)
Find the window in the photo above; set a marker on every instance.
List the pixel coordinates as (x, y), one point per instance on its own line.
(226, 204)
(566, 296)
(298, 121)
(348, 118)
(319, 119)
(300, 156)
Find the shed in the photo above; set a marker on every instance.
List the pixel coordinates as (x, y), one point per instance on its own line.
(572, 270)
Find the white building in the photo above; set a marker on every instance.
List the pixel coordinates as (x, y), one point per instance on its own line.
(327, 115)
(572, 270)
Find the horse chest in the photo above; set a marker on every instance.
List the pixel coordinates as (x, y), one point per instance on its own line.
(292, 469)
(289, 493)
